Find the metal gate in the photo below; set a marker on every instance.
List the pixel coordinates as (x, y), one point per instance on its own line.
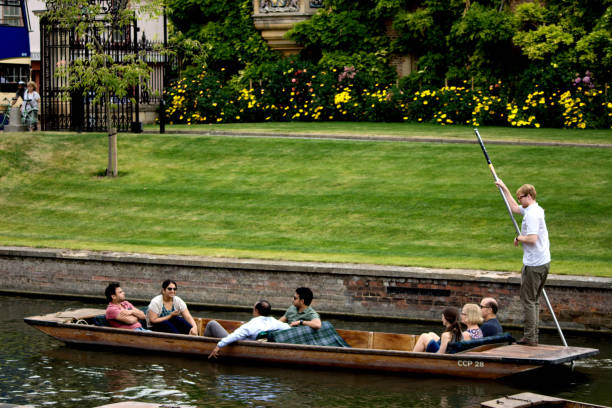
(79, 112)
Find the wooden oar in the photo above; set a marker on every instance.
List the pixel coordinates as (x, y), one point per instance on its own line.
(517, 229)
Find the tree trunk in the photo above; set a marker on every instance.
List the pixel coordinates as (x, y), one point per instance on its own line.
(111, 170)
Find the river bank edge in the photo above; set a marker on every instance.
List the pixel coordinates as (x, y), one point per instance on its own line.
(347, 291)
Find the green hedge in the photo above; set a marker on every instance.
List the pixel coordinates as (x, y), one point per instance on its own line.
(291, 91)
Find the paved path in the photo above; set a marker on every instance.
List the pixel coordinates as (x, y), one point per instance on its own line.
(379, 138)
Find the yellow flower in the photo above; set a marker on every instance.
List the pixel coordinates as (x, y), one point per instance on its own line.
(342, 97)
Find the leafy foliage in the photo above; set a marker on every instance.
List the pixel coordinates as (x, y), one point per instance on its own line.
(225, 31)
(484, 46)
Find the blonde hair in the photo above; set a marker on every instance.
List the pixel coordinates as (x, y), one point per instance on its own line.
(472, 314)
(526, 189)
(32, 83)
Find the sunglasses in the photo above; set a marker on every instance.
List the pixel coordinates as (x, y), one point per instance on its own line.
(171, 289)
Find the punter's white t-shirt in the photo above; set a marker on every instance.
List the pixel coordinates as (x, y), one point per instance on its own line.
(533, 223)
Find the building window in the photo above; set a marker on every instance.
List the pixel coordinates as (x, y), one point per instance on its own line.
(10, 13)
(11, 74)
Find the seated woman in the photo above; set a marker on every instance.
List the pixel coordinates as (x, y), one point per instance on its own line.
(168, 313)
(472, 318)
(432, 343)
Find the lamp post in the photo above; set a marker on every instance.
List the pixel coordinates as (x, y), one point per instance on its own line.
(162, 103)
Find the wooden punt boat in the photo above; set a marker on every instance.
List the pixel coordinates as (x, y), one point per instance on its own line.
(528, 399)
(373, 351)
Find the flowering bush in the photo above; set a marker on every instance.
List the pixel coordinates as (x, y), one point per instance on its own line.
(293, 92)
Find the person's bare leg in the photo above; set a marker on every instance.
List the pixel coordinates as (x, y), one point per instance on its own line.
(423, 341)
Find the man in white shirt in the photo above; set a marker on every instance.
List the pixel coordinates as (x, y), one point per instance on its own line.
(261, 321)
(536, 255)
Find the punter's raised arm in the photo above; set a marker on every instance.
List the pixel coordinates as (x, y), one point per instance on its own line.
(514, 206)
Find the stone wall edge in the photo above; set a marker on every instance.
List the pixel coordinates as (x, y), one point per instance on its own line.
(308, 267)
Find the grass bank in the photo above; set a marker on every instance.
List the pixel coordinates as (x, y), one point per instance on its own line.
(411, 130)
(431, 205)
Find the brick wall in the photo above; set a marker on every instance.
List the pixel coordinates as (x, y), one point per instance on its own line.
(367, 290)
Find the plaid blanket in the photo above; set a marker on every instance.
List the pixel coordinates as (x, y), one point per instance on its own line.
(325, 336)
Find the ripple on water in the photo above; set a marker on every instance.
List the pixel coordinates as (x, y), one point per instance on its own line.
(605, 363)
(249, 388)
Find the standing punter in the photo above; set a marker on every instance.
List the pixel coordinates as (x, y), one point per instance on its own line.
(536, 255)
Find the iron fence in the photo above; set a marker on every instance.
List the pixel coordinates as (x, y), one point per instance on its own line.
(79, 111)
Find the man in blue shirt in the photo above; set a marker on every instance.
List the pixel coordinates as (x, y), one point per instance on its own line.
(488, 310)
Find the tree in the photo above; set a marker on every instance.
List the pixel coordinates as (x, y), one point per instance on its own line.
(101, 26)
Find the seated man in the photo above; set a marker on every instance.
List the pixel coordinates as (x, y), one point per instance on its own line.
(301, 313)
(491, 326)
(261, 321)
(120, 313)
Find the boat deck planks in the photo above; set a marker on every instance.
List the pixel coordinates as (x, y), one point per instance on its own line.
(540, 354)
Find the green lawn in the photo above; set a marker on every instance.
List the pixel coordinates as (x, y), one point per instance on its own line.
(418, 204)
(412, 130)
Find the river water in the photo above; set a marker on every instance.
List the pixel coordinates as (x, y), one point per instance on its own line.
(39, 371)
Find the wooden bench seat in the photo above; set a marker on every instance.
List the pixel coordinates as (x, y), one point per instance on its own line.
(380, 341)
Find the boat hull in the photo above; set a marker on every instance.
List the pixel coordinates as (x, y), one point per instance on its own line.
(472, 366)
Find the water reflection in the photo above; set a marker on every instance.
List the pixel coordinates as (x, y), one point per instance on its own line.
(40, 371)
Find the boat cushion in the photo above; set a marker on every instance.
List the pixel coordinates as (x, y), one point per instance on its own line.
(468, 344)
(100, 320)
(325, 336)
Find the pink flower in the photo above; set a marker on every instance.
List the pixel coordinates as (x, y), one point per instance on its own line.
(293, 80)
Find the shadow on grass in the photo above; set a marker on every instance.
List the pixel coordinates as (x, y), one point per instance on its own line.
(102, 174)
